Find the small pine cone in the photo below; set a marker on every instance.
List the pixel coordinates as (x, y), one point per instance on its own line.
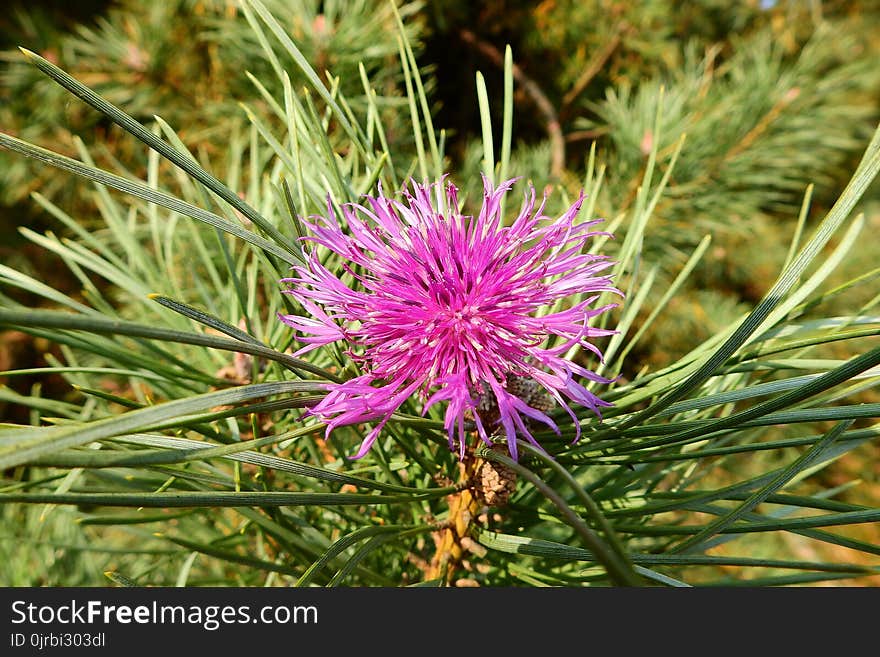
(494, 483)
(531, 392)
(487, 409)
(526, 389)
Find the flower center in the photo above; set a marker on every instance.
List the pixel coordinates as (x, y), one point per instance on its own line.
(460, 320)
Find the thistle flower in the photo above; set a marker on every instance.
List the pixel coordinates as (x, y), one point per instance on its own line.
(451, 308)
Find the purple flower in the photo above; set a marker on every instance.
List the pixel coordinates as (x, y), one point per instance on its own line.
(451, 307)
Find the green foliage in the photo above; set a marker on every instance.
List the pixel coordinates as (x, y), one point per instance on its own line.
(186, 60)
(180, 452)
(751, 126)
(771, 100)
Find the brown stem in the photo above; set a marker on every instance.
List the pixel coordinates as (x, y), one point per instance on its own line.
(595, 65)
(581, 135)
(545, 107)
(451, 539)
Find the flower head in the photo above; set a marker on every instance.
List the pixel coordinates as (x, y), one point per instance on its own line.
(452, 308)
